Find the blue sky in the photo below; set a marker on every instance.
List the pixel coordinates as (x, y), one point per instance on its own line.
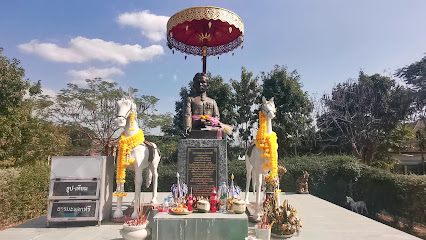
(327, 41)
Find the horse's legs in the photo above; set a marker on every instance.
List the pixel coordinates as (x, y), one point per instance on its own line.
(118, 213)
(256, 215)
(356, 209)
(154, 173)
(249, 169)
(138, 185)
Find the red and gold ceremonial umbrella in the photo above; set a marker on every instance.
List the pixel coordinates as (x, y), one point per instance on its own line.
(205, 31)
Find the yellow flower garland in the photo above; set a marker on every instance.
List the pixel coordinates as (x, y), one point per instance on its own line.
(267, 143)
(125, 146)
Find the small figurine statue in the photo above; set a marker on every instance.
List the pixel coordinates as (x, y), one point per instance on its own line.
(355, 206)
(302, 183)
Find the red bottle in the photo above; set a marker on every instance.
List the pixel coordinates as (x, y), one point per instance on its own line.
(213, 201)
(190, 201)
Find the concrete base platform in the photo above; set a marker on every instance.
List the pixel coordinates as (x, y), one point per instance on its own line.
(195, 226)
(321, 220)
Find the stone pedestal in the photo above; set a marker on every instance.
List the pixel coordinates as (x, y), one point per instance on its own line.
(202, 164)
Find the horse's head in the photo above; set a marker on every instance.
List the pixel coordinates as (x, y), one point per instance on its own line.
(348, 199)
(125, 106)
(268, 108)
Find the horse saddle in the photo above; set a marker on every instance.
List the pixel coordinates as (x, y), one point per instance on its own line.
(250, 149)
(151, 150)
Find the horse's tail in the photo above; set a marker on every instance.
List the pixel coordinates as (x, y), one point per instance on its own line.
(249, 167)
(149, 171)
(148, 177)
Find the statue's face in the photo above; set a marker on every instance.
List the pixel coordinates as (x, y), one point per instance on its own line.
(201, 83)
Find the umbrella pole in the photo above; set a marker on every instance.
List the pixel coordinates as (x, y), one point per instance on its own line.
(204, 64)
(204, 58)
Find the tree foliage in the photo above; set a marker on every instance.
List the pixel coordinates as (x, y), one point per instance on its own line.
(415, 76)
(247, 94)
(362, 115)
(293, 107)
(24, 136)
(91, 111)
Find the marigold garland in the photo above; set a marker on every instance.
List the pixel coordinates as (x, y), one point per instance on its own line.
(125, 146)
(267, 143)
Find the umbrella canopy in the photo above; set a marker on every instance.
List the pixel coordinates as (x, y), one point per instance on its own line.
(205, 31)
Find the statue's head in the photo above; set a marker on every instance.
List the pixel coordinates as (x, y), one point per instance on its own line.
(200, 82)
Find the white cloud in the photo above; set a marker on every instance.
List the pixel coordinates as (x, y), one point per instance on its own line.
(83, 49)
(80, 76)
(174, 77)
(151, 25)
(49, 92)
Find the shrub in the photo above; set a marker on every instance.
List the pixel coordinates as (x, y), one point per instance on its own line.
(166, 178)
(335, 177)
(23, 194)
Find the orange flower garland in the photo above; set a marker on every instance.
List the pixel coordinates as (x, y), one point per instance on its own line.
(267, 143)
(125, 146)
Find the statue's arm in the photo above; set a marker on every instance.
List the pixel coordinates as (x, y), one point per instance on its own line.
(187, 118)
(215, 110)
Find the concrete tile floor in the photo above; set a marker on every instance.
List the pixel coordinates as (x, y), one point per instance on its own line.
(321, 220)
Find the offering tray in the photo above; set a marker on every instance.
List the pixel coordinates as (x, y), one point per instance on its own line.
(182, 213)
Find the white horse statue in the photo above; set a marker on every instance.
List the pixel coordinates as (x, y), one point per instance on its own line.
(357, 205)
(254, 161)
(133, 151)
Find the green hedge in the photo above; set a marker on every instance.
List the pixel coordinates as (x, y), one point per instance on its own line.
(23, 193)
(333, 177)
(166, 178)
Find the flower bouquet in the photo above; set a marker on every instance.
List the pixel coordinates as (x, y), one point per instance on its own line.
(285, 217)
(271, 183)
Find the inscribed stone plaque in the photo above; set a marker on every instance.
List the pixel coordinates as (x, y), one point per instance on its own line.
(221, 158)
(75, 189)
(75, 209)
(202, 170)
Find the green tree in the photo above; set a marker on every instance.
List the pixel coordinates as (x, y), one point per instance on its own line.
(247, 93)
(24, 136)
(415, 76)
(176, 127)
(293, 107)
(362, 115)
(91, 110)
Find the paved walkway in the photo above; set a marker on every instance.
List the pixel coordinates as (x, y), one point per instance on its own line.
(321, 220)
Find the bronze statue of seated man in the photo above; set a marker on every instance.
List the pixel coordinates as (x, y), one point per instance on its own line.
(200, 111)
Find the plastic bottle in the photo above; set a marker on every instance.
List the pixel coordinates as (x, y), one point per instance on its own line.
(190, 201)
(166, 205)
(223, 197)
(213, 201)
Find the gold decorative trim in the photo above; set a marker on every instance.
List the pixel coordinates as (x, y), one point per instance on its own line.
(209, 13)
(206, 36)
